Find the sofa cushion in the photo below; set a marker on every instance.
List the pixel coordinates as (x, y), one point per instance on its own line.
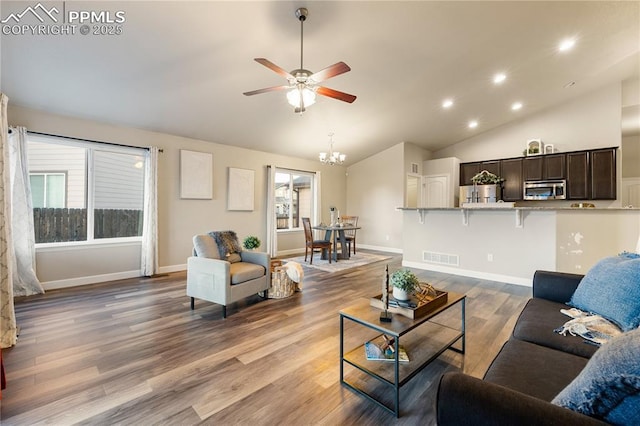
(537, 323)
(244, 271)
(534, 370)
(205, 246)
(609, 386)
(611, 288)
(228, 245)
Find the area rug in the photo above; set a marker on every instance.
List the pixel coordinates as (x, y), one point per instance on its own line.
(359, 259)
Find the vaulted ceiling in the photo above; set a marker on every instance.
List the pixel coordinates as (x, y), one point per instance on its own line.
(181, 67)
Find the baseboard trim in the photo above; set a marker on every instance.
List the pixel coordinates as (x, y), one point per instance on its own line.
(381, 248)
(172, 268)
(93, 279)
(526, 282)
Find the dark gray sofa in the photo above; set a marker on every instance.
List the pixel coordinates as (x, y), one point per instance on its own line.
(533, 366)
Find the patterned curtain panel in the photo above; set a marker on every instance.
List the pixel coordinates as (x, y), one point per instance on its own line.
(149, 256)
(272, 235)
(25, 281)
(8, 331)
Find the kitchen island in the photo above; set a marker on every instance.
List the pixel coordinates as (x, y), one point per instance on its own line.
(508, 244)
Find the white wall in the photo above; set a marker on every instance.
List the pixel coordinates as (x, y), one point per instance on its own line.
(590, 121)
(178, 219)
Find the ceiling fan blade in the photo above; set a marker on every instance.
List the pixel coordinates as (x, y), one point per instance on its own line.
(267, 63)
(265, 90)
(330, 71)
(325, 91)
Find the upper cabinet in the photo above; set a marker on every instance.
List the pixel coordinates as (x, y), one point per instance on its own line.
(544, 167)
(602, 166)
(590, 175)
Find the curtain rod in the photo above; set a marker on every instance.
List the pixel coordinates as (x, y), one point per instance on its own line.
(293, 170)
(88, 140)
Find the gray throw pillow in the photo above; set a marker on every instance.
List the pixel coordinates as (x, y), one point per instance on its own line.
(205, 246)
(228, 245)
(611, 288)
(608, 388)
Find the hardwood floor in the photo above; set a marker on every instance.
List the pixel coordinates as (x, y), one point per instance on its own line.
(132, 352)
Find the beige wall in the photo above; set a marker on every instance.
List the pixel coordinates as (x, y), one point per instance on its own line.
(375, 188)
(491, 246)
(178, 219)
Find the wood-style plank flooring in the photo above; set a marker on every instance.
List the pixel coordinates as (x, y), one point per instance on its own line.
(132, 352)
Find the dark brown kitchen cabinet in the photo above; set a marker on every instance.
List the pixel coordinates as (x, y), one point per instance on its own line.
(591, 175)
(469, 170)
(578, 175)
(544, 167)
(512, 175)
(554, 167)
(532, 168)
(602, 167)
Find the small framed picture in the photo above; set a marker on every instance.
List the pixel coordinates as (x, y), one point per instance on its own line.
(548, 148)
(534, 147)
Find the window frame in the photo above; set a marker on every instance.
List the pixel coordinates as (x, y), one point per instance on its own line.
(312, 207)
(46, 174)
(90, 147)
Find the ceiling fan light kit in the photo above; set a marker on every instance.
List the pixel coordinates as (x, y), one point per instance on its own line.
(304, 84)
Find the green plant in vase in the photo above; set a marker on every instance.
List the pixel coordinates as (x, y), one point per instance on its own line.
(404, 283)
(251, 242)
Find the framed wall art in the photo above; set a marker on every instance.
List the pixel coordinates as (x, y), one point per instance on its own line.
(196, 175)
(240, 192)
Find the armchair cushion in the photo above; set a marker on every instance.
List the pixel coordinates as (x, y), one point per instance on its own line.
(205, 246)
(228, 245)
(243, 271)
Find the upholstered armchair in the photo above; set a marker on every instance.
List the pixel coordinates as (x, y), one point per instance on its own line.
(223, 273)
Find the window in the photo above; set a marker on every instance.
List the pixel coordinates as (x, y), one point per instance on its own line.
(295, 196)
(48, 189)
(84, 191)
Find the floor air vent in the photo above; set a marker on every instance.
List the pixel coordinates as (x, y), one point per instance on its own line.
(440, 258)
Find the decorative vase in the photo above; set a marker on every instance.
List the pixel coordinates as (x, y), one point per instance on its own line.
(400, 294)
(333, 217)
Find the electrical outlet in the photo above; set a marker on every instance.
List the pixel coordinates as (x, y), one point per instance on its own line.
(489, 257)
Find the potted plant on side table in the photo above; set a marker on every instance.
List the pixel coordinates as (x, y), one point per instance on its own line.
(251, 242)
(404, 283)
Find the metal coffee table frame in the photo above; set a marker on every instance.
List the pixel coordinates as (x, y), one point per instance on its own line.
(421, 330)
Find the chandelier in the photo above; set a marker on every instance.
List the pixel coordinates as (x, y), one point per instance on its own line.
(334, 157)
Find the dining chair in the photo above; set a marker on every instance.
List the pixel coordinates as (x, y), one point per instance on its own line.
(312, 244)
(350, 234)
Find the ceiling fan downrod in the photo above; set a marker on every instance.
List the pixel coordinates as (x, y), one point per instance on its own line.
(301, 14)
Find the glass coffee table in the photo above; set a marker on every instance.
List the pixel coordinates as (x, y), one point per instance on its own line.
(423, 338)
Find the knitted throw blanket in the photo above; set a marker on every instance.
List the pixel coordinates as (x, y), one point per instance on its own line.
(593, 328)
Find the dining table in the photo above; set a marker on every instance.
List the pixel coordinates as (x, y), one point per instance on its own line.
(335, 233)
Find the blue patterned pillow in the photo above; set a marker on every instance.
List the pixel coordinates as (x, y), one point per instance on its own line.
(612, 289)
(608, 388)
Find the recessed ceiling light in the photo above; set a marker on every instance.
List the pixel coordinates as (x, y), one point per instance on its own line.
(516, 106)
(473, 124)
(447, 103)
(499, 78)
(566, 44)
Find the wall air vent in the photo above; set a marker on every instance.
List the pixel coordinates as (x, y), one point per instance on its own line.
(440, 258)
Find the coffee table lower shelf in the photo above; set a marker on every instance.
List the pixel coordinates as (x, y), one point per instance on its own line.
(423, 340)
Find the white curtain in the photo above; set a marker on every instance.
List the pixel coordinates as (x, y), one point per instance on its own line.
(25, 281)
(149, 255)
(8, 329)
(317, 203)
(272, 235)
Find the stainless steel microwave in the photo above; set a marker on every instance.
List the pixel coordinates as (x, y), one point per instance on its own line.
(545, 190)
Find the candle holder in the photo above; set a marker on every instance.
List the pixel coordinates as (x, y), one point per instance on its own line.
(385, 315)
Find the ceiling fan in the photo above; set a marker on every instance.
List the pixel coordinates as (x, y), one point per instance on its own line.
(303, 84)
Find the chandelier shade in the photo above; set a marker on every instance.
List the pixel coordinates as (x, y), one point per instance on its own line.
(333, 157)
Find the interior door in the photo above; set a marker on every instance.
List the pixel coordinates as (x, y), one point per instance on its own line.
(436, 191)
